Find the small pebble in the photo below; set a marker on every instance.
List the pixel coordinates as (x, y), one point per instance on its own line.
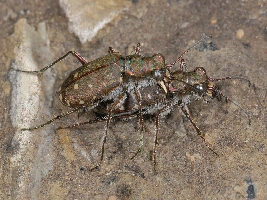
(213, 20)
(184, 25)
(112, 198)
(240, 33)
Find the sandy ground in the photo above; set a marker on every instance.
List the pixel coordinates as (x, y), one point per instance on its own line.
(52, 163)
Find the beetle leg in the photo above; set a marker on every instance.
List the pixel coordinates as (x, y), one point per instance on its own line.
(111, 50)
(74, 53)
(184, 110)
(93, 121)
(183, 66)
(140, 124)
(53, 119)
(79, 57)
(155, 142)
(137, 49)
(108, 121)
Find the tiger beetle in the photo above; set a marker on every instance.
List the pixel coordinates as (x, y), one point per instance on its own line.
(131, 86)
(183, 88)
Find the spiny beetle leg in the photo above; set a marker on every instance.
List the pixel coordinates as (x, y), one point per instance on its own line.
(111, 50)
(117, 101)
(74, 53)
(137, 49)
(79, 57)
(141, 135)
(184, 110)
(155, 144)
(53, 119)
(94, 121)
(183, 66)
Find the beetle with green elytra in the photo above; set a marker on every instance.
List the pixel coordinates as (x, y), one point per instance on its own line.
(124, 87)
(107, 78)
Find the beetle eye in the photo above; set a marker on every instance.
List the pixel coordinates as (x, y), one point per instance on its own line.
(158, 74)
(200, 87)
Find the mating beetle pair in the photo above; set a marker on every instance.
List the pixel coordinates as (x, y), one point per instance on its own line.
(131, 86)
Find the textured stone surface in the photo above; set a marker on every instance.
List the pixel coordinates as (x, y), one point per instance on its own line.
(86, 18)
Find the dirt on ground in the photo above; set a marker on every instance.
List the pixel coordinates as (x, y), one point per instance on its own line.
(55, 163)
